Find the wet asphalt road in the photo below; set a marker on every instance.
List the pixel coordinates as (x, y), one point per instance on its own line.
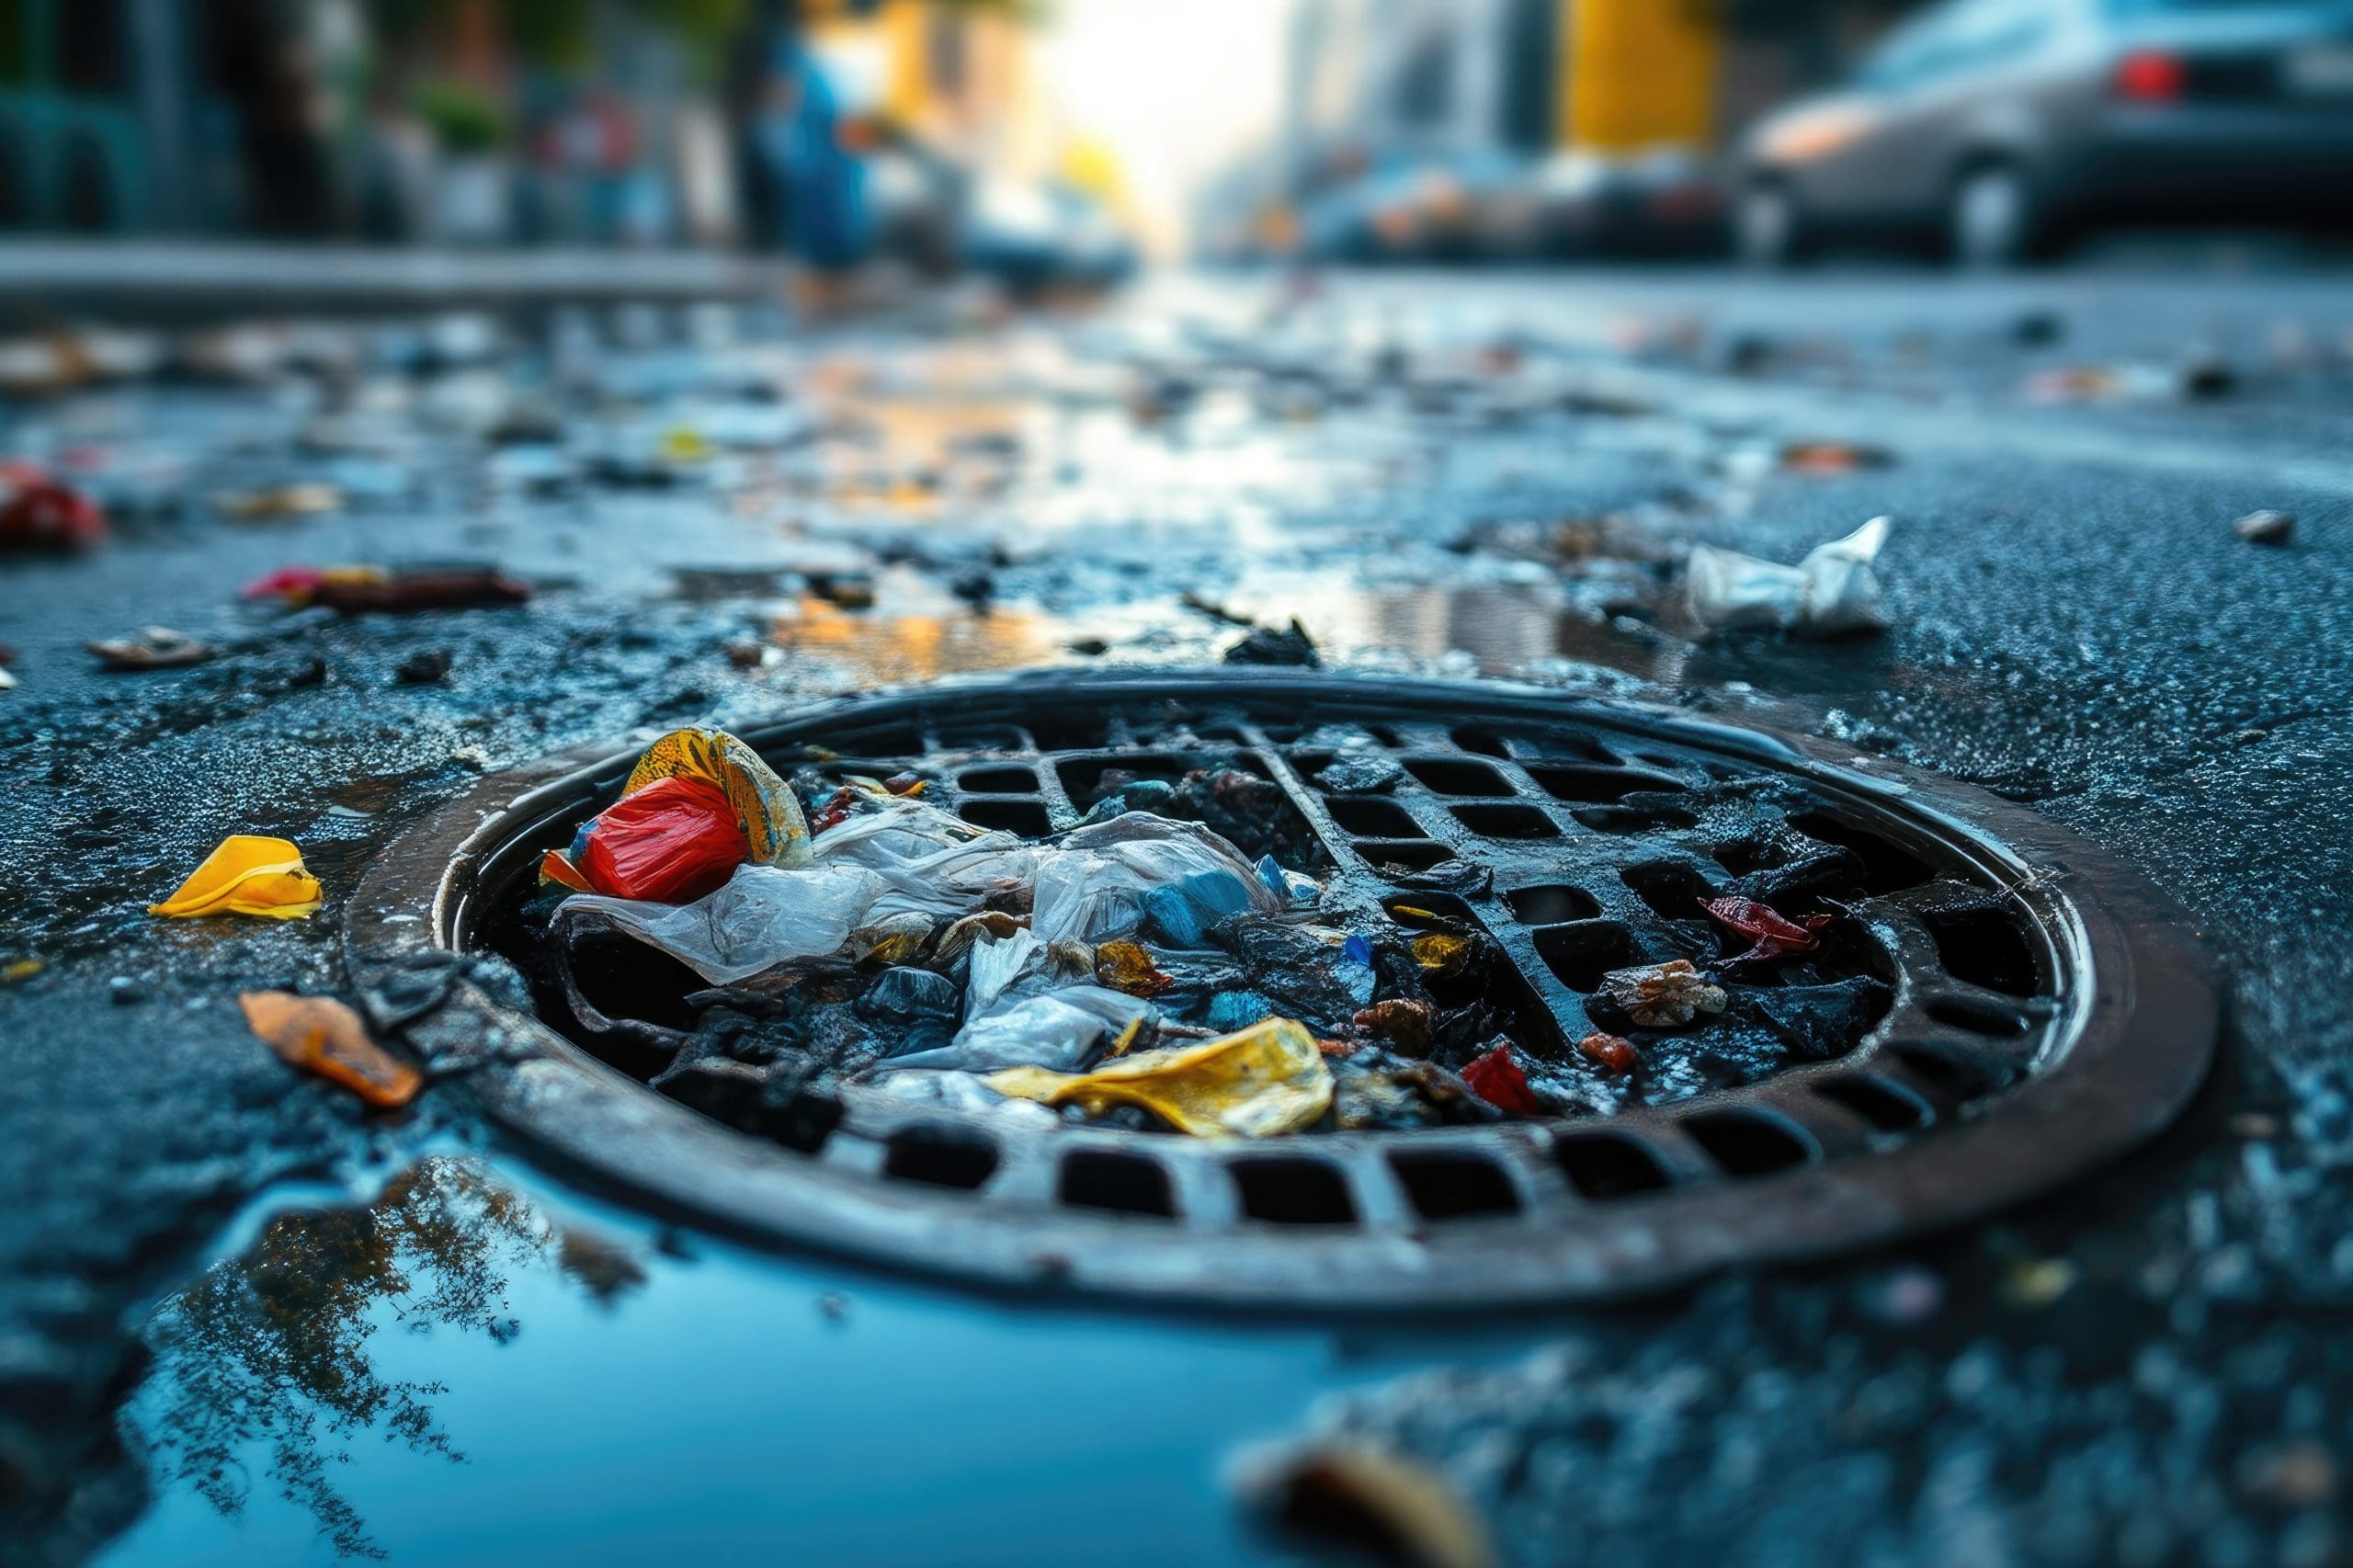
(2148, 1369)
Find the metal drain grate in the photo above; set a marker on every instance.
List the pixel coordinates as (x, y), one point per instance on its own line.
(2042, 1009)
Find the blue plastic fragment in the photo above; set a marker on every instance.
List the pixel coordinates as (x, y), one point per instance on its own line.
(1186, 908)
(1357, 950)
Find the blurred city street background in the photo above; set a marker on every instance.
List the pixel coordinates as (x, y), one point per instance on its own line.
(655, 364)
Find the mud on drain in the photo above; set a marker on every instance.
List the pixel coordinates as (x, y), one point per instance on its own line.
(1971, 960)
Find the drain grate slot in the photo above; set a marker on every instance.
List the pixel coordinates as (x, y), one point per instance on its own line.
(1747, 1144)
(1454, 1186)
(940, 1156)
(1886, 1106)
(1293, 1191)
(1118, 1184)
(1605, 1166)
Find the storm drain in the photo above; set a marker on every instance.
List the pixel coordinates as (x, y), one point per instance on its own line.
(2010, 1006)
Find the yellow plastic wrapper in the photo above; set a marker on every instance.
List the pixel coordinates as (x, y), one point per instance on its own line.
(774, 834)
(1266, 1081)
(1441, 952)
(247, 876)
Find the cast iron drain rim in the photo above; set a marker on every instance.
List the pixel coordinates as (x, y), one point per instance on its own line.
(2127, 1018)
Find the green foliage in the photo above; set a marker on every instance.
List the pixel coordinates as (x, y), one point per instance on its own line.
(462, 120)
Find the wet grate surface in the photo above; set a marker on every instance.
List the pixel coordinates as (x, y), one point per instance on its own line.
(1969, 987)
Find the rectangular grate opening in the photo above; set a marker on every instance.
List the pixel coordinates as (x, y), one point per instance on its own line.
(1882, 1105)
(1118, 1184)
(1373, 819)
(997, 781)
(1454, 1186)
(1980, 947)
(1454, 776)
(1410, 855)
(1293, 1192)
(1552, 905)
(1603, 1166)
(1506, 822)
(1582, 954)
(940, 1156)
(1598, 786)
(1026, 818)
(1886, 869)
(1744, 1143)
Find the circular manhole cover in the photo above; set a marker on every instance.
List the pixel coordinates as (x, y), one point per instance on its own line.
(1998, 1006)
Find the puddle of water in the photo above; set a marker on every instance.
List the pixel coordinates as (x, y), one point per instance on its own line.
(480, 1369)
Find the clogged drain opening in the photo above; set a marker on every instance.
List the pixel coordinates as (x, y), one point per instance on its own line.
(1460, 944)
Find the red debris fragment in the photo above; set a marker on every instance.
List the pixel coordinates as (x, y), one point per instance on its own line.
(833, 812)
(1612, 1054)
(44, 515)
(1496, 1079)
(671, 842)
(1775, 936)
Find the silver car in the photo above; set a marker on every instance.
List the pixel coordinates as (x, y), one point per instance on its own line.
(1998, 127)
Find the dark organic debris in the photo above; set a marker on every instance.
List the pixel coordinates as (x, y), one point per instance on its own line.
(1292, 645)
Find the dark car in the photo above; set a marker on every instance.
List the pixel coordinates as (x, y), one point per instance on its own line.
(2000, 127)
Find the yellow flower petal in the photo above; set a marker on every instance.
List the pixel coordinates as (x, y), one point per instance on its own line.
(247, 875)
(1268, 1080)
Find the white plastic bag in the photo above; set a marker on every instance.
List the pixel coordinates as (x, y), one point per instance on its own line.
(764, 916)
(1053, 1029)
(1831, 593)
(1094, 885)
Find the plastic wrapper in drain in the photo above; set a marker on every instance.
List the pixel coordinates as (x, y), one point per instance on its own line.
(671, 842)
(1268, 1080)
(1832, 593)
(908, 859)
(1104, 880)
(1016, 1015)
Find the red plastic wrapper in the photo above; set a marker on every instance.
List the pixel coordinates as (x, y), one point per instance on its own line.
(1776, 935)
(43, 514)
(671, 842)
(1496, 1079)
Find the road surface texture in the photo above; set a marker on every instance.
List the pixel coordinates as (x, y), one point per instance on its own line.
(243, 1320)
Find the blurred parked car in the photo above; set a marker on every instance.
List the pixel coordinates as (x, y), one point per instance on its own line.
(1433, 207)
(1031, 236)
(1663, 204)
(2002, 127)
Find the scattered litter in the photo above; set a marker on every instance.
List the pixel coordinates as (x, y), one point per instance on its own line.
(279, 502)
(1264, 1081)
(323, 1036)
(451, 587)
(1773, 935)
(155, 648)
(1613, 1054)
(1827, 457)
(2036, 1283)
(246, 875)
(1661, 996)
(429, 666)
(21, 970)
(1831, 593)
(1351, 1502)
(2265, 528)
(43, 514)
(8, 681)
(1498, 1079)
(1264, 645)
